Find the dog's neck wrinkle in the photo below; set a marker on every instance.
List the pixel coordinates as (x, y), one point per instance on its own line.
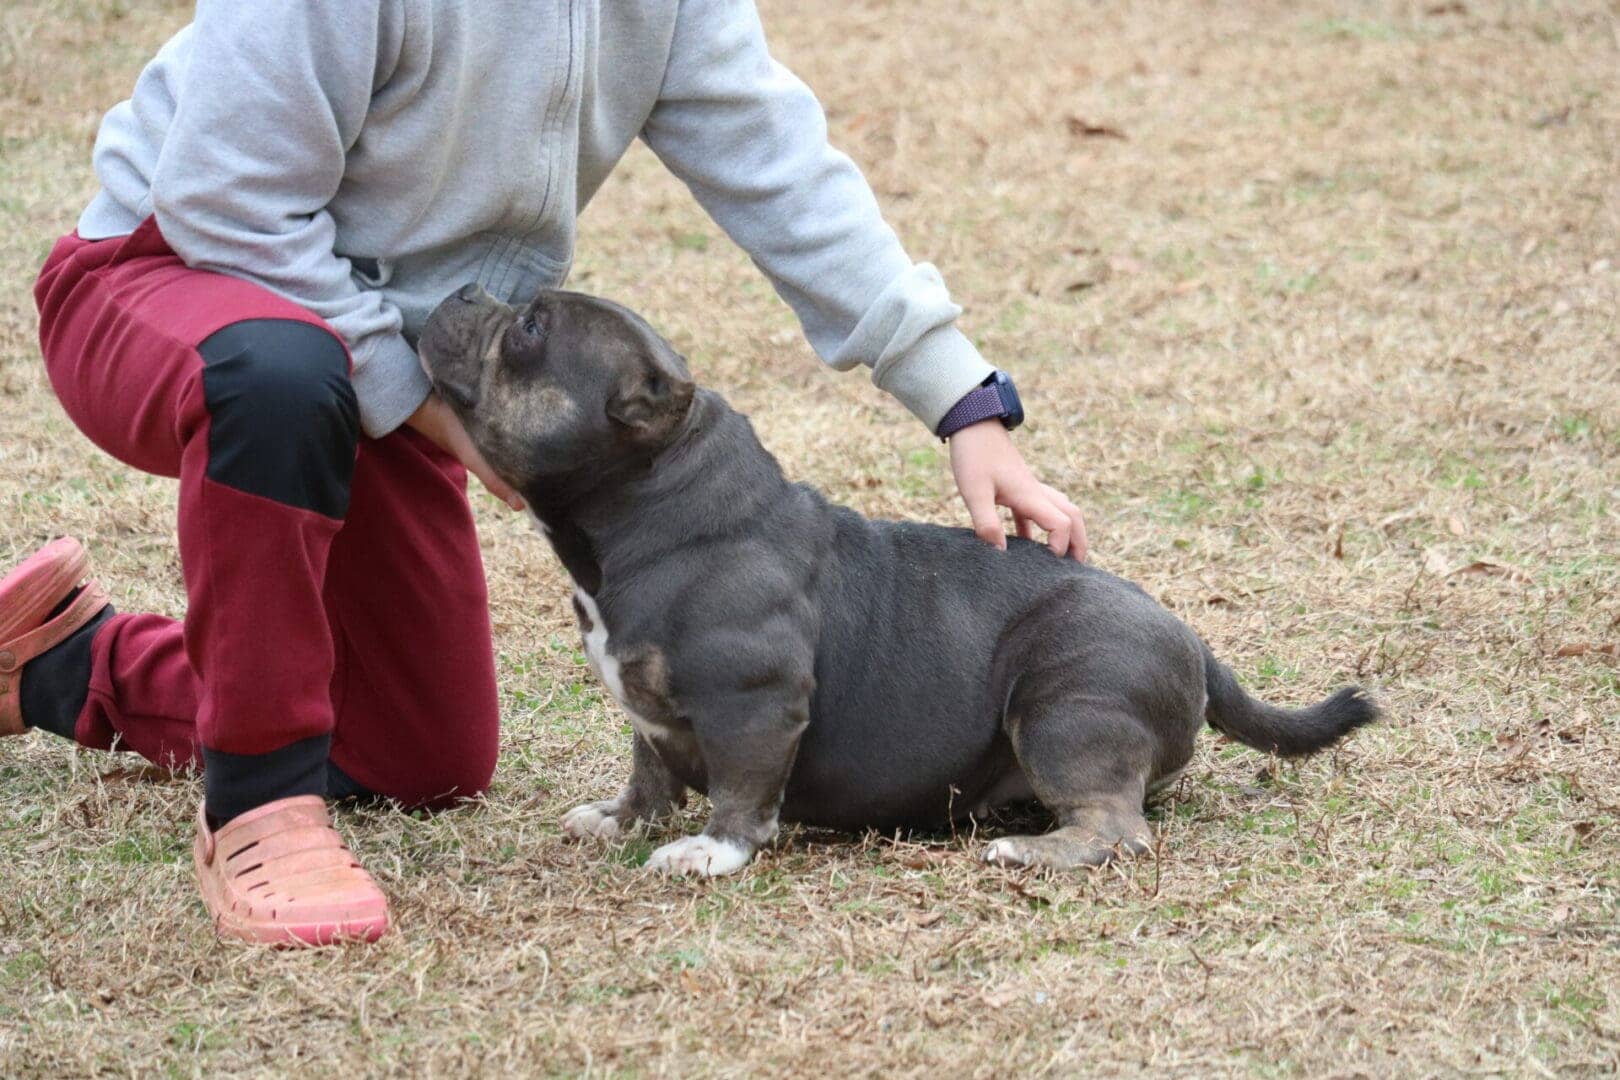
(564, 498)
(700, 417)
(645, 516)
(710, 480)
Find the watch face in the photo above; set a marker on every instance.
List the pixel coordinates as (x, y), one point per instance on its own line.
(1012, 408)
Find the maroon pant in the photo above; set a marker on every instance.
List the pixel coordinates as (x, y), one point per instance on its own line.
(336, 598)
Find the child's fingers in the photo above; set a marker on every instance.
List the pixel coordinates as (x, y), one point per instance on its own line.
(980, 498)
(1078, 544)
(500, 488)
(1033, 503)
(470, 457)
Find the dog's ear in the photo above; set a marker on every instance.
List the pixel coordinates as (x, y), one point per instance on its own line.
(651, 400)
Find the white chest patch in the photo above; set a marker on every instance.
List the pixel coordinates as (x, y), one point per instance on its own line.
(597, 650)
(603, 662)
(600, 655)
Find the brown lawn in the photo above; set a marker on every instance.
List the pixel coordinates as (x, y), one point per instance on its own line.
(1326, 344)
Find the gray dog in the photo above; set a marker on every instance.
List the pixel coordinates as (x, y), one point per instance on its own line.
(790, 658)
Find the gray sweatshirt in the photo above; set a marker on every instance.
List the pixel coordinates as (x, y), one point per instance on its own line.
(365, 159)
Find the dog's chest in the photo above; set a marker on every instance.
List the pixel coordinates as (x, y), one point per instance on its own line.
(593, 628)
(637, 676)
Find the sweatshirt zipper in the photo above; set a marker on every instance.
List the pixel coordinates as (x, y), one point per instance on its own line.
(515, 246)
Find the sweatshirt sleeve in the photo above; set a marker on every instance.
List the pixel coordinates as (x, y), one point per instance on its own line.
(273, 97)
(750, 140)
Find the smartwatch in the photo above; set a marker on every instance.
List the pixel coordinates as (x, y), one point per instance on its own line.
(995, 398)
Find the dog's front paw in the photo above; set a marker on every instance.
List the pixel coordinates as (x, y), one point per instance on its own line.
(704, 855)
(598, 820)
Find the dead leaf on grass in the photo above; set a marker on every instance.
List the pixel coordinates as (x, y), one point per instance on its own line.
(1455, 526)
(1032, 895)
(1582, 648)
(1513, 745)
(1512, 573)
(1093, 271)
(1082, 128)
(926, 859)
(1435, 562)
(1452, 7)
(927, 919)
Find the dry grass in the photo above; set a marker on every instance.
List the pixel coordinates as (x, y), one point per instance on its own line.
(1351, 324)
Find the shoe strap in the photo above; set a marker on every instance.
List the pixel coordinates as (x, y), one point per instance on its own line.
(42, 639)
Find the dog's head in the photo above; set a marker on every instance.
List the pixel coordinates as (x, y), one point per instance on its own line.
(557, 393)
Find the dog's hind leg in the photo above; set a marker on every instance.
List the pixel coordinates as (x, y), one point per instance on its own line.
(1089, 765)
(1097, 710)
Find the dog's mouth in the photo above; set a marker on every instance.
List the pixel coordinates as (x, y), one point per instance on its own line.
(455, 391)
(461, 339)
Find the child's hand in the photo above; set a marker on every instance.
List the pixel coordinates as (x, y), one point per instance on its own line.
(990, 471)
(438, 423)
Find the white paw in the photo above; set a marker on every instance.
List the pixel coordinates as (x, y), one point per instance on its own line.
(702, 855)
(1002, 853)
(593, 820)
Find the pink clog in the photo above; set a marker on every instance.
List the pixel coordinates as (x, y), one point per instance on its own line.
(28, 595)
(281, 875)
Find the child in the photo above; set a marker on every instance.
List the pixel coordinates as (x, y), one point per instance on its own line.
(288, 193)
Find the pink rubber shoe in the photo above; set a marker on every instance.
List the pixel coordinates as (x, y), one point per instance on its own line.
(28, 595)
(281, 875)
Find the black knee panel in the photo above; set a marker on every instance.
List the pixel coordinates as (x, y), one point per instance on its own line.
(284, 422)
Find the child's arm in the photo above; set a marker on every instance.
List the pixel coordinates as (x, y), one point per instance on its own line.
(750, 140)
(273, 98)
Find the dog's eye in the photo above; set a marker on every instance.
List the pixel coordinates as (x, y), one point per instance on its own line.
(531, 325)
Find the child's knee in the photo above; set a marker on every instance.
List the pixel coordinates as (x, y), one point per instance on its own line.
(283, 419)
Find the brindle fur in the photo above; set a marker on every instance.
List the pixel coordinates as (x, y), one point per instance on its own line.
(793, 659)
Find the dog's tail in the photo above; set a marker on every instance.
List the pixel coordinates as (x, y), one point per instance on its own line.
(1288, 732)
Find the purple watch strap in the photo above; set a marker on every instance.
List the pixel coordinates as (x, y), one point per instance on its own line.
(983, 403)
